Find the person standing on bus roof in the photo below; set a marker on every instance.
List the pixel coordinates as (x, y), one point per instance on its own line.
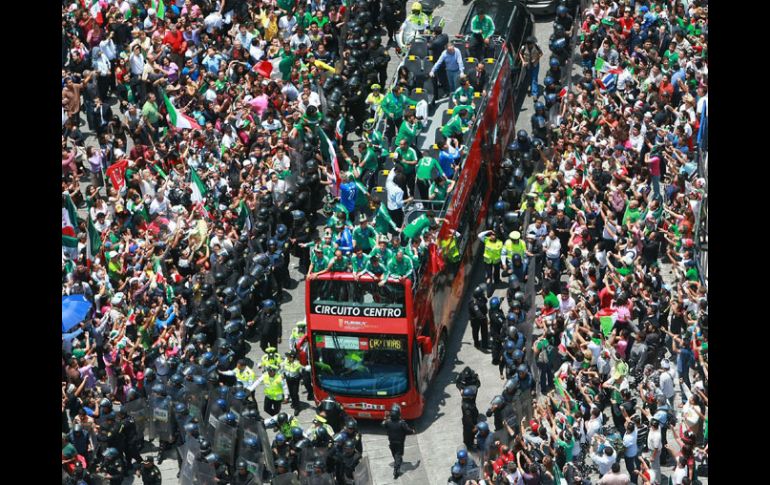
(393, 105)
(529, 55)
(452, 59)
(400, 267)
(482, 28)
(395, 187)
(493, 248)
(397, 430)
(318, 262)
(463, 95)
(407, 157)
(383, 223)
(455, 126)
(364, 235)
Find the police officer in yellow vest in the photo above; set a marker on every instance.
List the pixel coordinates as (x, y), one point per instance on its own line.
(493, 249)
(271, 357)
(418, 18)
(292, 372)
(513, 245)
(242, 373)
(275, 390)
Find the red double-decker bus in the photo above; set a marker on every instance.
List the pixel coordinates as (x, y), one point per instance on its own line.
(372, 346)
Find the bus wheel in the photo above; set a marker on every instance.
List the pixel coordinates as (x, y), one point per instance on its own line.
(441, 351)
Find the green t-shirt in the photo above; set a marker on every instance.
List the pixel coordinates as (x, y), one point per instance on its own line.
(382, 220)
(319, 262)
(438, 192)
(150, 111)
(567, 448)
(359, 264)
(78, 353)
(631, 215)
(408, 154)
(484, 27)
(425, 167)
(408, 132)
(400, 268)
(453, 127)
(340, 265)
(364, 238)
(416, 227)
(369, 160)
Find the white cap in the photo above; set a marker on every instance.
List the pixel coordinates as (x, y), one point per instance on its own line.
(665, 364)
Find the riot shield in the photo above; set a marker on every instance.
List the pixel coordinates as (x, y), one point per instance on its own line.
(262, 433)
(161, 418)
(472, 473)
(322, 479)
(309, 456)
(286, 479)
(189, 451)
(249, 430)
(254, 461)
(138, 409)
(362, 475)
(203, 473)
(194, 401)
(213, 412)
(224, 442)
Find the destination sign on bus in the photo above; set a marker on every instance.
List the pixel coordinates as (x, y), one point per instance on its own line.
(357, 311)
(386, 344)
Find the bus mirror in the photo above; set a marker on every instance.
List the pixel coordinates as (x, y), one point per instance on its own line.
(426, 344)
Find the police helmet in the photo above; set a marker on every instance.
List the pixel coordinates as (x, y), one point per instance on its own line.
(494, 302)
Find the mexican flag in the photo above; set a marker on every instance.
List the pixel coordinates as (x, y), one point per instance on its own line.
(95, 9)
(160, 9)
(94, 241)
(559, 386)
(69, 246)
(327, 150)
(198, 187)
(339, 128)
(69, 218)
(176, 117)
(607, 318)
(117, 174)
(244, 218)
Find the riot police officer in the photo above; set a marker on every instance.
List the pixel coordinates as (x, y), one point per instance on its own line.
(301, 236)
(397, 430)
(496, 325)
(113, 467)
(242, 475)
(478, 317)
(333, 412)
(270, 325)
(150, 472)
(133, 441)
(470, 414)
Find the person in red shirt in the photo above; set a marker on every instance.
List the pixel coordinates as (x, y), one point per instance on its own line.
(175, 40)
(666, 88)
(505, 456)
(627, 22)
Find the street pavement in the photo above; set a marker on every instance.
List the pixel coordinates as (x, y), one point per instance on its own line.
(428, 455)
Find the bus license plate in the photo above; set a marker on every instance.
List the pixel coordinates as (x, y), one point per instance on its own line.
(364, 415)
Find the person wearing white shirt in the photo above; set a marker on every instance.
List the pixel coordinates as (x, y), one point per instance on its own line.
(286, 24)
(594, 424)
(160, 204)
(108, 47)
(632, 449)
(136, 61)
(566, 303)
(655, 445)
(667, 382)
(605, 459)
(298, 39)
(244, 36)
(395, 196)
(552, 247)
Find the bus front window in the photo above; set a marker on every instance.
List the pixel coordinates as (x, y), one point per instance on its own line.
(357, 293)
(360, 364)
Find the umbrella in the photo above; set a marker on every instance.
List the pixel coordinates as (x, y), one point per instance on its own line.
(74, 309)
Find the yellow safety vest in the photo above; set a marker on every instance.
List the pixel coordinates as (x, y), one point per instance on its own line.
(492, 251)
(512, 248)
(292, 369)
(246, 376)
(449, 248)
(273, 387)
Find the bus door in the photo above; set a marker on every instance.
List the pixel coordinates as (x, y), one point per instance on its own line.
(424, 356)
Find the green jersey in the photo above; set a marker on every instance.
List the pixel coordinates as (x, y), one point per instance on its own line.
(485, 27)
(410, 155)
(453, 127)
(393, 105)
(369, 160)
(318, 262)
(364, 238)
(426, 166)
(377, 269)
(416, 227)
(408, 132)
(382, 221)
(383, 254)
(341, 264)
(401, 268)
(437, 192)
(359, 264)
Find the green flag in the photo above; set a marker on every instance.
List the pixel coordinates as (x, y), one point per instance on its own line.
(599, 64)
(244, 218)
(160, 9)
(94, 241)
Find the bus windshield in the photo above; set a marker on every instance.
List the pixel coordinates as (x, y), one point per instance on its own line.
(370, 365)
(357, 293)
